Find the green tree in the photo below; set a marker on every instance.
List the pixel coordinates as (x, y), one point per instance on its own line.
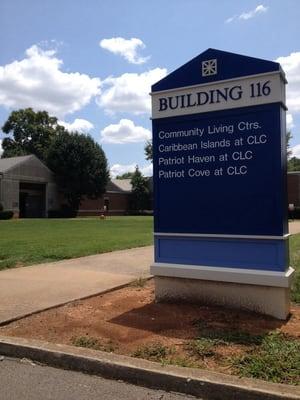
(288, 144)
(140, 195)
(148, 150)
(294, 164)
(80, 166)
(126, 175)
(31, 132)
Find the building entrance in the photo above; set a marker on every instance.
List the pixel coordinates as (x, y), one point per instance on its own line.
(32, 200)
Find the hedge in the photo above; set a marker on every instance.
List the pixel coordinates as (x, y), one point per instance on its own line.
(6, 214)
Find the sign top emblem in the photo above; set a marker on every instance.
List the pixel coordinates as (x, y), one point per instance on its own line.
(209, 67)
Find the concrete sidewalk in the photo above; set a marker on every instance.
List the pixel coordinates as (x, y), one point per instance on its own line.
(30, 289)
(294, 227)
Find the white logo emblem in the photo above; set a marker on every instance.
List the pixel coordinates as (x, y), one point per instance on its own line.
(209, 67)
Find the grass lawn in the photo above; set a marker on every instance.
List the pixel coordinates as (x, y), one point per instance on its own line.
(31, 241)
(295, 263)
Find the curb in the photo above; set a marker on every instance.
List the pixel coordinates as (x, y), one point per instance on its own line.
(204, 384)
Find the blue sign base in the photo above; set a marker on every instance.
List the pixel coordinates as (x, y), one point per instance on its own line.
(257, 254)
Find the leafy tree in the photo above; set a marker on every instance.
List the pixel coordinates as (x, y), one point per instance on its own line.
(31, 132)
(288, 144)
(140, 195)
(294, 164)
(149, 150)
(80, 166)
(126, 175)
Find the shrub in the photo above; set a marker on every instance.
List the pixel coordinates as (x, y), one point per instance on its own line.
(68, 212)
(64, 212)
(1, 207)
(140, 212)
(54, 214)
(8, 214)
(295, 214)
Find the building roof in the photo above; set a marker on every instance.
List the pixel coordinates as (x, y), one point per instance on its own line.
(119, 185)
(11, 162)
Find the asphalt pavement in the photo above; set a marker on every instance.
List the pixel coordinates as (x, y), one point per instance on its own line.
(25, 380)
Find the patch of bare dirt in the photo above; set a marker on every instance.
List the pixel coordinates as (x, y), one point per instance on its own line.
(129, 318)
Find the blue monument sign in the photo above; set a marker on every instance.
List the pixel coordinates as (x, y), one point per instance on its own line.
(220, 198)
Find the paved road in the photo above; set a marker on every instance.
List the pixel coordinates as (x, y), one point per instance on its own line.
(29, 289)
(23, 380)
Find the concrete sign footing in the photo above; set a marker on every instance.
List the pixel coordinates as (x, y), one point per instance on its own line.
(268, 300)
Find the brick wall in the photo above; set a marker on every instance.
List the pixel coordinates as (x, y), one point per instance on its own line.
(118, 204)
(294, 189)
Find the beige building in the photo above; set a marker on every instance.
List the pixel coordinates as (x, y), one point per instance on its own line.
(27, 187)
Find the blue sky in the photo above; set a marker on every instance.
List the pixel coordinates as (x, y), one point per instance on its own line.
(91, 63)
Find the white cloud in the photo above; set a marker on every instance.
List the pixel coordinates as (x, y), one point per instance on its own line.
(129, 92)
(260, 9)
(38, 82)
(78, 125)
(296, 151)
(147, 170)
(291, 66)
(289, 122)
(124, 132)
(119, 169)
(126, 48)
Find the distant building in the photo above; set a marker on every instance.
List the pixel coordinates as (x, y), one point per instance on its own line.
(115, 201)
(28, 188)
(294, 188)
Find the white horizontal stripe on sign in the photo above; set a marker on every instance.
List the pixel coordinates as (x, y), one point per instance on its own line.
(222, 95)
(223, 236)
(234, 275)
